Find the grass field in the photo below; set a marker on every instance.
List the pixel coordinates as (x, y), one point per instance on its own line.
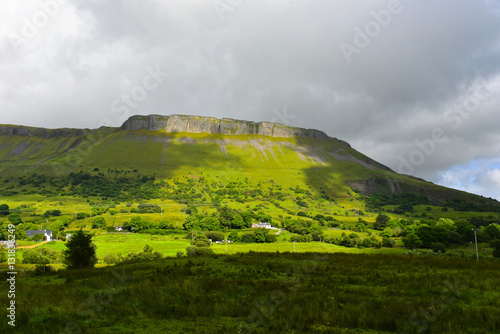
(265, 293)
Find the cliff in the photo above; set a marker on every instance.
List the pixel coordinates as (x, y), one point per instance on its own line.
(177, 123)
(26, 131)
(225, 126)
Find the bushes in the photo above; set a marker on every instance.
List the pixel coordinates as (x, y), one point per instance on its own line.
(234, 237)
(4, 210)
(214, 236)
(98, 222)
(52, 213)
(200, 246)
(496, 247)
(193, 250)
(248, 237)
(41, 256)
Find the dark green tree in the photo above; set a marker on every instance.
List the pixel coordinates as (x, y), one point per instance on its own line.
(80, 252)
(15, 218)
(412, 241)
(496, 245)
(4, 209)
(381, 221)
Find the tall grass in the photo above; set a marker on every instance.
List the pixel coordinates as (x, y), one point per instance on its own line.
(265, 293)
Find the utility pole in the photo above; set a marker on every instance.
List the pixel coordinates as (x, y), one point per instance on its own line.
(294, 246)
(475, 238)
(226, 239)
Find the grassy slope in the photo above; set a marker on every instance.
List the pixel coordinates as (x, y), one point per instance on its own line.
(167, 156)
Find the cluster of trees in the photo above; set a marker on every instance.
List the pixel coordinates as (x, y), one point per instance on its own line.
(146, 255)
(224, 217)
(52, 213)
(41, 255)
(259, 235)
(485, 205)
(405, 201)
(351, 240)
(437, 235)
(146, 208)
(139, 225)
(304, 227)
(199, 246)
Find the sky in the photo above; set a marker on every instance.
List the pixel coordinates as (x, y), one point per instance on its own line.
(414, 85)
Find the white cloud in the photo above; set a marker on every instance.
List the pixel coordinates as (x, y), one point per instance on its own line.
(479, 177)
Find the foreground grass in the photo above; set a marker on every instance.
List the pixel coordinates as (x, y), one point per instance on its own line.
(265, 293)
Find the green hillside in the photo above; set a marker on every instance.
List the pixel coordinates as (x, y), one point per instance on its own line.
(328, 167)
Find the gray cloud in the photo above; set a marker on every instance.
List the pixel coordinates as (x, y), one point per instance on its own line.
(415, 71)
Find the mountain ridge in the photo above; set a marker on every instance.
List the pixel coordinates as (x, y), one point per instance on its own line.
(170, 146)
(178, 123)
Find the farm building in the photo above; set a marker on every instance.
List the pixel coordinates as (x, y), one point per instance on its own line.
(46, 233)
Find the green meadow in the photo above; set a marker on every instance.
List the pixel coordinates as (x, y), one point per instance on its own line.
(265, 293)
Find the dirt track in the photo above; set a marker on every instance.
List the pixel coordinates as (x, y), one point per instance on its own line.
(32, 246)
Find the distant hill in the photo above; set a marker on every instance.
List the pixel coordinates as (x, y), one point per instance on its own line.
(176, 146)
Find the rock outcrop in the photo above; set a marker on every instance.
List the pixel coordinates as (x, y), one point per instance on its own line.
(26, 131)
(225, 126)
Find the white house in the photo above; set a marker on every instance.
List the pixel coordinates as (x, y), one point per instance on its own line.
(46, 233)
(261, 225)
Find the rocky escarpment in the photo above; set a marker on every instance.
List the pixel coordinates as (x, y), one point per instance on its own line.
(26, 131)
(225, 126)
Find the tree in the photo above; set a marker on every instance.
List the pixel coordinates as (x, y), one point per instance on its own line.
(381, 221)
(15, 218)
(80, 252)
(412, 241)
(496, 245)
(4, 209)
(238, 222)
(98, 222)
(493, 231)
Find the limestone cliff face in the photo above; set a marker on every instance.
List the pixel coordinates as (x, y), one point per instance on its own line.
(26, 131)
(225, 126)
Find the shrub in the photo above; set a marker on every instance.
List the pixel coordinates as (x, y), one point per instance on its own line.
(111, 259)
(248, 237)
(215, 236)
(438, 246)
(98, 222)
(193, 251)
(496, 247)
(234, 237)
(388, 242)
(367, 243)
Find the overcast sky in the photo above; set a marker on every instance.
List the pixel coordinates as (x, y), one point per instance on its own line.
(413, 84)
